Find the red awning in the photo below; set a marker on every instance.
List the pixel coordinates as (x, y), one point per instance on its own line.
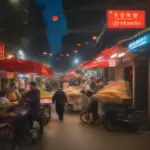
(25, 66)
(100, 64)
(72, 75)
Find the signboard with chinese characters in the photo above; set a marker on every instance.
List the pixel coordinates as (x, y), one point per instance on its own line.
(139, 42)
(1, 51)
(126, 19)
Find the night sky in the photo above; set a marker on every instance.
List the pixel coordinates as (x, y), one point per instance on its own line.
(79, 20)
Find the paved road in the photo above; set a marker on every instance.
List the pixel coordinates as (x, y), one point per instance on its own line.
(73, 135)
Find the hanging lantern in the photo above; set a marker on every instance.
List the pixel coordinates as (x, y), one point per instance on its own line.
(61, 55)
(79, 44)
(94, 37)
(55, 18)
(44, 53)
(50, 54)
(67, 55)
(57, 58)
(75, 51)
(87, 42)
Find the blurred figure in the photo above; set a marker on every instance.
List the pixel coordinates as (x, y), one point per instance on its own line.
(13, 93)
(99, 84)
(66, 84)
(33, 97)
(86, 85)
(3, 99)
(93, 83)
(60, 99)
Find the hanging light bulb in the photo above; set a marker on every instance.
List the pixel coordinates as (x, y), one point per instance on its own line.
(79, 44)
(94, 37)
(50, 54)
(67, 55)
(44, 53)
(75, 51)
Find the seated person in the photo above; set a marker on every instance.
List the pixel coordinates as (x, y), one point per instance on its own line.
(13, 94)
(3, 99)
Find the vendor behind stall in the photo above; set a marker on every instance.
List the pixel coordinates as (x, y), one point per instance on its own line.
(13, 94)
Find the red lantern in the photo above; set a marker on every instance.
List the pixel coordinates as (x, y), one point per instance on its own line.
(55, 18)
(86, 42)
(75, 51)
(44, 53)
(79, 44)
(94, 37)
(67, 55)
(50, 54)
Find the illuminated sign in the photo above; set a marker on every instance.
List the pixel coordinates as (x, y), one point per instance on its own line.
(139, 42)
(1, 51)
(126, 19)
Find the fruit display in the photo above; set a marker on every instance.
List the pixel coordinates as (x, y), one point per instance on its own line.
(73, 91)
(44, 94)
(116, 92)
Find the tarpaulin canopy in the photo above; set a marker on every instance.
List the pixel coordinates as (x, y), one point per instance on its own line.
(100, 64)
(102, 60)
(72, 75)
(25, 66)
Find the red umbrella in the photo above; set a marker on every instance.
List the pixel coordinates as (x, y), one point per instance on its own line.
(24, 66)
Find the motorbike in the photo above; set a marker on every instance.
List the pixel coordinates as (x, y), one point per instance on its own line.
(116, 119)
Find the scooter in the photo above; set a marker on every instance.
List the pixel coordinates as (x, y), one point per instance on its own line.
(116, 119)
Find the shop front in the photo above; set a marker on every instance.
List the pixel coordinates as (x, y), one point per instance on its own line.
(140, 48)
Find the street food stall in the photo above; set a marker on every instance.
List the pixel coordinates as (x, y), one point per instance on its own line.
(31, 69)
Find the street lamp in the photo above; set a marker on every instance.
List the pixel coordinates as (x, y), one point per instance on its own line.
(76, 61)
(21, 54)
(10, 56)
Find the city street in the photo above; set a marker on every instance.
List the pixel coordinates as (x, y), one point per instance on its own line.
(73, 135)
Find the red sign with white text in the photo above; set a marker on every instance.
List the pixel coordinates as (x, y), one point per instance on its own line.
(1, 51)
(126, 19)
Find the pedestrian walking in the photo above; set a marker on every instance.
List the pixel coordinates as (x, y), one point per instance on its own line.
(60, 99)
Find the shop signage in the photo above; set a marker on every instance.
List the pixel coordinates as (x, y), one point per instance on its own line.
(1, 51)
(139, 43)
(126, 19)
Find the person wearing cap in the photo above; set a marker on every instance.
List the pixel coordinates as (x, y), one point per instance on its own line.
(33, 96)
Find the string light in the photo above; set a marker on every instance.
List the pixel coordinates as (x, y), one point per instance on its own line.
(67, 55)
(50, 54)
(94, 37)
(44, 53)
(75, 51)
(79, 44)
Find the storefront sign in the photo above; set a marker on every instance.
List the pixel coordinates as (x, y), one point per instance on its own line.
(126, 19)
(139, 43)
(1, 51)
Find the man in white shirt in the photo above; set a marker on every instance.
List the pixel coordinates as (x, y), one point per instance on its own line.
(3, 99)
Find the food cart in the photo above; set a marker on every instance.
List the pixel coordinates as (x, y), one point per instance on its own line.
(31, 68)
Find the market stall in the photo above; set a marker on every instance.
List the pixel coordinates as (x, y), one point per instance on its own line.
(74, 97)
(30, 68)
